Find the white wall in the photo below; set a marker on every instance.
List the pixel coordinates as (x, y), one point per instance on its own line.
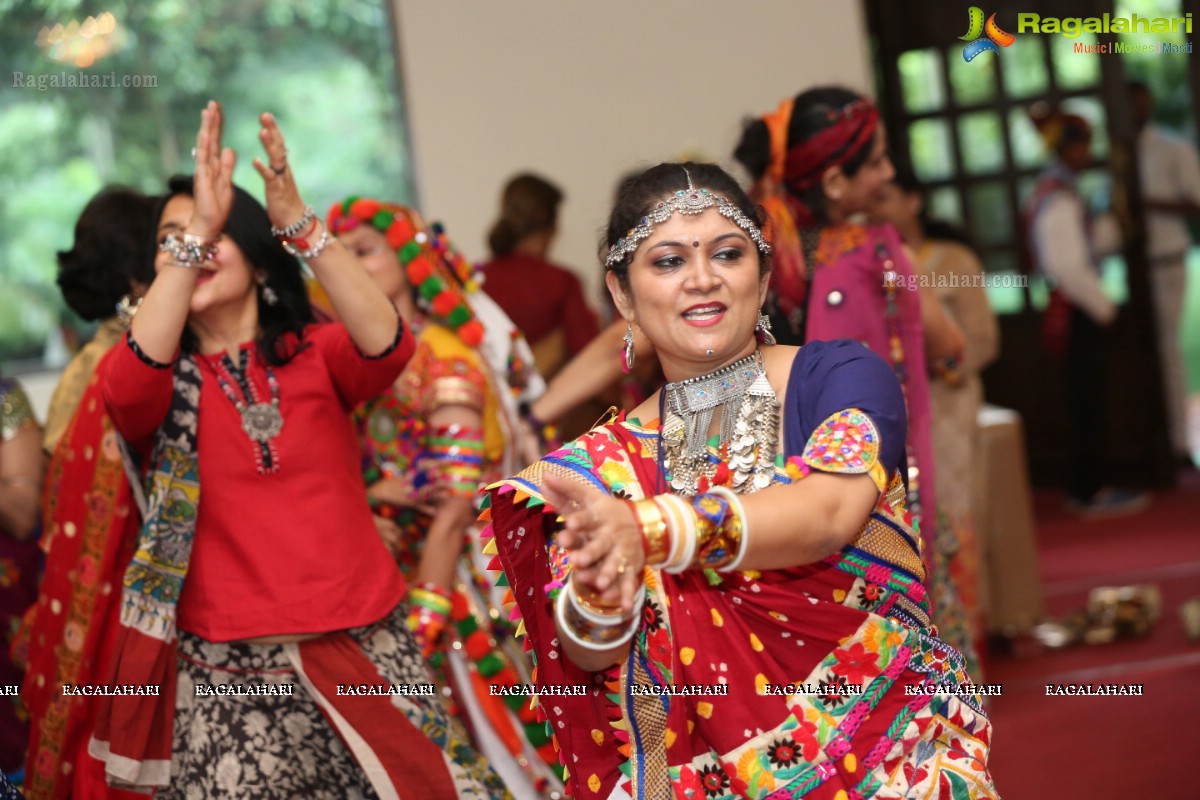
(582, 92)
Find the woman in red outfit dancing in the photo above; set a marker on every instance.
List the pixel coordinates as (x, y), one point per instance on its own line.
(265, 606)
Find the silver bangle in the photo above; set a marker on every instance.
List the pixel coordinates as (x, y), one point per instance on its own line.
(188, 249)
(311, 252)
(598, 633)
(295, 227)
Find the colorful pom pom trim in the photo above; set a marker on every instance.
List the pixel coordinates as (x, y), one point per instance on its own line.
(439, 275)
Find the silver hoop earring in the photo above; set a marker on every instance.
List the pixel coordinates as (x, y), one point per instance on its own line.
(762, 329)
(627, 365)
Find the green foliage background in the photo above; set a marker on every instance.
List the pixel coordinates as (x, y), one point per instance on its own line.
(326, 69)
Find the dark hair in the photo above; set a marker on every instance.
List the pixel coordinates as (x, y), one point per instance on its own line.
(638, 193)
(528, 205)
(250, 229)
(114, 246)
(753, 150)
(812, 112)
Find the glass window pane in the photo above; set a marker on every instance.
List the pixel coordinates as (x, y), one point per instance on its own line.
(981, 142)
(929, 144)
(921, 80)
(973, 82)
(1025, 188)
(1113, 275)
(1074, 70)
(1004, 283)
(1024, 67)
(945, 205)
(1029, 151)
(991, 217)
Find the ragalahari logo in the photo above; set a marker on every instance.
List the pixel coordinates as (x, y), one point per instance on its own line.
(995, 36)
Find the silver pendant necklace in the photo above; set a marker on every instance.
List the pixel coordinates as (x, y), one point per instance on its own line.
(749, 426)
(261, 421)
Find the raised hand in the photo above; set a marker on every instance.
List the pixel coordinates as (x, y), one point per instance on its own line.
(284, 205)
(607, 555)
(212, 186)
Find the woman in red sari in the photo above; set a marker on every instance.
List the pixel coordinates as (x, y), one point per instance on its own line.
(89, 517)
(730, 569)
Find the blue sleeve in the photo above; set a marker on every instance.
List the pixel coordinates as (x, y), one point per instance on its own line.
(830, 377)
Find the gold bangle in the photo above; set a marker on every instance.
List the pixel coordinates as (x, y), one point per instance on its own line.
(654, 532)
(590, 605)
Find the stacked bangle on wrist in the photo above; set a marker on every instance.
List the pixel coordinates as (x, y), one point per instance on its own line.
(428, 613)
(189, 249)
(592, 627)
(293, 230)
(707, 531)
(301, 246)
(737, 530)
(297, 237)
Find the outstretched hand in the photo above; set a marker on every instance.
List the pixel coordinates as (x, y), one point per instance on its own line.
(604, 541)
(284, 205)
(212, 186)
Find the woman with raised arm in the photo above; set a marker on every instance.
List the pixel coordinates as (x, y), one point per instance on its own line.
(732, 565)
(445, 427)
(261, 601)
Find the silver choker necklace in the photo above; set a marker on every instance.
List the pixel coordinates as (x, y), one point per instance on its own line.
(749, 426)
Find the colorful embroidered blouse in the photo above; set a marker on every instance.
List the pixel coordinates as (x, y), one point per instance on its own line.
(804, 681)
(397, 441)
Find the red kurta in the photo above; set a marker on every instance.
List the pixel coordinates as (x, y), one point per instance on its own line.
(292, 551)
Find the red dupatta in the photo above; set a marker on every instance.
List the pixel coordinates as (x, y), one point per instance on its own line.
(91, 526)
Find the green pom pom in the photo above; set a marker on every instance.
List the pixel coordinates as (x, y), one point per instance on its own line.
(349, 201)
(430, 288)
(468, 625)
(489, 665)
(458, 316)
(382, 220)
(410, 251)
(536, 734)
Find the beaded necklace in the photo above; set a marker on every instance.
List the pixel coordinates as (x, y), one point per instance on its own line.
(261, 421)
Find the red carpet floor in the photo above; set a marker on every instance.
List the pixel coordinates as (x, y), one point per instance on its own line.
(1102, 748)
